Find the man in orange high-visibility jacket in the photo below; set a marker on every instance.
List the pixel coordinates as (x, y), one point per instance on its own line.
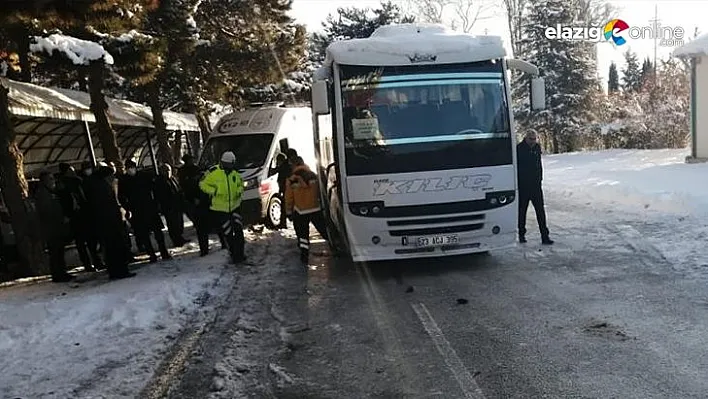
(302, 204)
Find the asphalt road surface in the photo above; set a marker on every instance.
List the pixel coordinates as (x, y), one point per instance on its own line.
(601, 314)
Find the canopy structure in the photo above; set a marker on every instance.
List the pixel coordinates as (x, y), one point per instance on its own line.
(57, 125)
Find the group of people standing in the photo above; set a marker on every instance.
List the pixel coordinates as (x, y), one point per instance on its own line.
(97, 207)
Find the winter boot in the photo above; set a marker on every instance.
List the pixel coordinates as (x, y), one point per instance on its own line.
(547, 241)
(522, 238)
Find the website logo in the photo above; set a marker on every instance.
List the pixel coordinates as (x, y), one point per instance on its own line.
(619, 26)
(617, 32)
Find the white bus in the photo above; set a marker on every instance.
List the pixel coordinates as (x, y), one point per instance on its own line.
(415, 143)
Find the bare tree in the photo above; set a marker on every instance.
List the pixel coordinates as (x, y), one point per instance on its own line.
(462, 14)
(515, 10)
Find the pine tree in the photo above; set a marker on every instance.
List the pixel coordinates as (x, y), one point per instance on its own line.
(569, 69)
(613, 79)
(355, 23)
(632, 75)
(14, 189)
(251, 44)
(647, 71)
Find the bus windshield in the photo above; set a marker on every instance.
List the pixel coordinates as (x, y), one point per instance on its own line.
(409, 119)
(251, 150)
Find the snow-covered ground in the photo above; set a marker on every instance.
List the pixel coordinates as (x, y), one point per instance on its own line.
(635, 180)
(102, 339)
(664, 199)
(106, 339)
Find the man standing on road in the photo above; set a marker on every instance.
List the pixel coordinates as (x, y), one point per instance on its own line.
(302, 201)
(169, 196)
(530, 176)
(284, 169)
(54, 226)
(136, 196)
(76, 207)
(224, 185)
(196, 201)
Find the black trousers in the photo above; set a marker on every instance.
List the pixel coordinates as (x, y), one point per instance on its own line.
(199, 215)
(57, 261)
(116, 255)
(302, 229)
(283, 214)
(175, 226)
(86, 244)
(533, 195)
(142, 234)
(231, 226)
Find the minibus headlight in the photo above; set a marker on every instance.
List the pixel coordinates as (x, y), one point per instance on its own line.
(250, 183)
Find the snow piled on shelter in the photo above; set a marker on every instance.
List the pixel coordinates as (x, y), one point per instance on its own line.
(80, 52)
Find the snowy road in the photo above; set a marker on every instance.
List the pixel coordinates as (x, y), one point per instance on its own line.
(604, 313)
(617, 308)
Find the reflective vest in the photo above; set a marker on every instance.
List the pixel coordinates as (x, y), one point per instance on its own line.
(225, 190)
(302, 193)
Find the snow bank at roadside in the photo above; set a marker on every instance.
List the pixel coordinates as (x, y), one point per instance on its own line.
(99, 338)
(631, 180)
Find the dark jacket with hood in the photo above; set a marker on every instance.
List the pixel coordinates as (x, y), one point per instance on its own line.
(51, 214)
(530, 168)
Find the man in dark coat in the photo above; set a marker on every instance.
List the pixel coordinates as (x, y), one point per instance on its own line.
(136, 195)
(530, 176)
(171, 201)
(111, 231)
(284, 170)
(196, 201)
(55, 229)
(76, 208)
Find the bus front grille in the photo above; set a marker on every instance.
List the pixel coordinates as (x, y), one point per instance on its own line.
(436, 230)
(439, 220)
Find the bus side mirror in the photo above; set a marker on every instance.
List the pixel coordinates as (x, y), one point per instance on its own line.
(320, 97)
(538, 94)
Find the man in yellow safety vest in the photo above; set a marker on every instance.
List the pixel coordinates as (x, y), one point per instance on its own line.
(224, 185)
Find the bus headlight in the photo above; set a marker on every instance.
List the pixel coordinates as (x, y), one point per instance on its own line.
(250, 184)
(367, 208)
(500, 198)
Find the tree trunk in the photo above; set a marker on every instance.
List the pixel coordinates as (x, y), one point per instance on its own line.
(164, 152)
(195, 143)
(23, 52)
(204, 124)
(99, 107)
(177, 146)
(15, 191)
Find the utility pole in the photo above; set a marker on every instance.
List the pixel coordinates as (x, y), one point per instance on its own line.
(656, 30)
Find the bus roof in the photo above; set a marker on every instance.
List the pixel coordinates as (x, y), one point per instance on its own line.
(254, 120)
(406, 44)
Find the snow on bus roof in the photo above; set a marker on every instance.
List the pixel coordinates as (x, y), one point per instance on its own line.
(406, 44)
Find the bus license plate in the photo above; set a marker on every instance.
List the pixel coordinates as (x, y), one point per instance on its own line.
(432, 241)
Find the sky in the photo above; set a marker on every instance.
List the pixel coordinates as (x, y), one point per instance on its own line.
(687, 14)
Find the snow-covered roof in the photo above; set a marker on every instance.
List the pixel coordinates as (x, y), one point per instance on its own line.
(695, 48)
(42, 102)
(50, 124)
(406, 44)
(173, 120)
(120, 114)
